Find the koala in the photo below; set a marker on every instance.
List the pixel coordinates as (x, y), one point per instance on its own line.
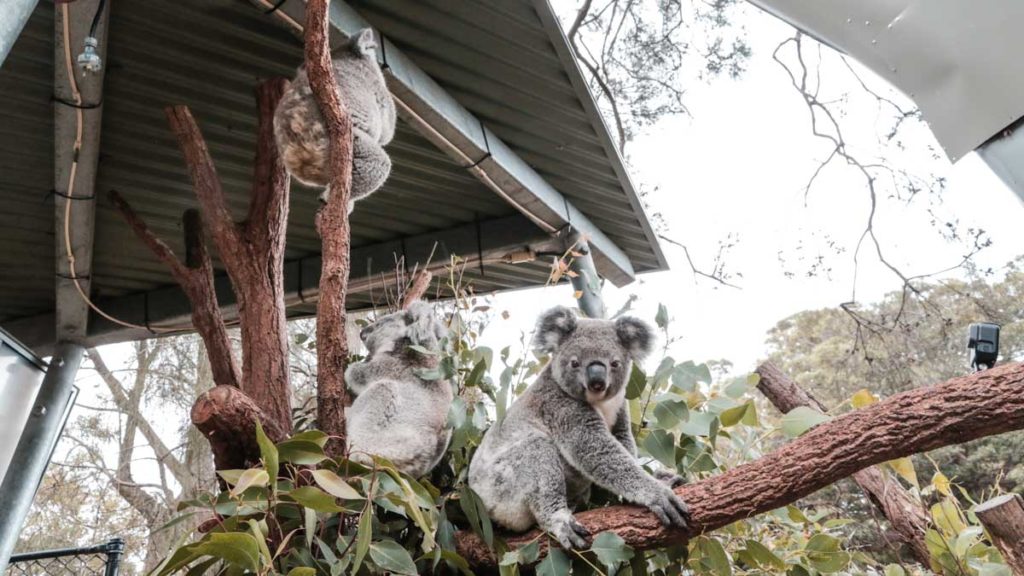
(570, 430)
(397, 414)
(302, 137)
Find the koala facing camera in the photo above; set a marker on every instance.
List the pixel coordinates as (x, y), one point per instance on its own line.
(570, 430)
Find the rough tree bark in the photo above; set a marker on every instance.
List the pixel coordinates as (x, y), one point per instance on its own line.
(195, 276)
(956, 411)
(333, 226)
(227, 417)
(1003, 517)
(417, 288)
(905, 512)
(252, 251)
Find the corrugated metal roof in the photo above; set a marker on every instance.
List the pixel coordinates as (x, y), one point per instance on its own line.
(495, 58)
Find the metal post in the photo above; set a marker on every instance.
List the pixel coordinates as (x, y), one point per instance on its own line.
(15, 14)
(114, 548)
(36, 445)
(586, 284)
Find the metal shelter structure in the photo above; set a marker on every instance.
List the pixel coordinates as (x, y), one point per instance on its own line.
(500, 154)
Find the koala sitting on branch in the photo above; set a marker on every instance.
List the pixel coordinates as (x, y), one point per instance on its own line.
(299, 128)
(571, 429)
(396, 414)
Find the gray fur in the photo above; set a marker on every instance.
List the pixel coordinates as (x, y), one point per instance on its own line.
(562, 435)
(397, 414)
(299, 128)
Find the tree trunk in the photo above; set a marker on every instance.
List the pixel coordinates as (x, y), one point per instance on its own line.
(1003, 518)
(959, 410)
(903, 510)
(227, 417)
(333, 226)
(252, 252)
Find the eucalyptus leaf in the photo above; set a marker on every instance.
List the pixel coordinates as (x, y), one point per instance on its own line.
(315, 498)
(268, 452)
(800, 420)
(611, 550)
(335, 486)
(556, 563)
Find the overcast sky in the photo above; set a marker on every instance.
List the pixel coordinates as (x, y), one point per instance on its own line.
(738, 167)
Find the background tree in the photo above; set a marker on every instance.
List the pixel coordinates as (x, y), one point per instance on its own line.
(900, 343)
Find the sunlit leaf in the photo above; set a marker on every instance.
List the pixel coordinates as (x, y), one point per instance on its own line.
(334, 485)
(662, 446)
(268, 452)
(800, 420)
(905, 468)
(862, 398)
(390, 556)
(249, 478)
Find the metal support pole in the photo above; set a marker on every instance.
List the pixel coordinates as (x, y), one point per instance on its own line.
(36, 445)
(586, 284)
(15, 14)
(114, 549)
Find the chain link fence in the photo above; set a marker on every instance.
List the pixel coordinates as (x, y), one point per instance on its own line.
(101, 560)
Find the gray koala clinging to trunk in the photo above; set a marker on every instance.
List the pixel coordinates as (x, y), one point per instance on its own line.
(569, 430)
(397, 414)
(299, 127)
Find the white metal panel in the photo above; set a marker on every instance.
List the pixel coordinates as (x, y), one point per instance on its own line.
(959, 61)
(20, 380)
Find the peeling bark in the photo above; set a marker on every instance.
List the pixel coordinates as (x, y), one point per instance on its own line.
(905, 512)
(333, 226)
(417, 288)
(956, 411)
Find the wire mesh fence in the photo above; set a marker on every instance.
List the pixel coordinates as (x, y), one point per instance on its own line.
(101, 560)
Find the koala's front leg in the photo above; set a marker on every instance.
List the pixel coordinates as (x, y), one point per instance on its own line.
(586, 443)
(547, 500)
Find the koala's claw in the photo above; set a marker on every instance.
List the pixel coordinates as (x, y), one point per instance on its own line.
(669, 478)
(670, 509)
(571, 534)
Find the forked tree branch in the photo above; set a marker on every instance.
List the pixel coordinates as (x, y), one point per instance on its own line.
(333, 226)
(956, 411)
(195, 276)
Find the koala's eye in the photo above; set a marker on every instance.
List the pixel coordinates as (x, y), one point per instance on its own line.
(616, 364)
(575, 363)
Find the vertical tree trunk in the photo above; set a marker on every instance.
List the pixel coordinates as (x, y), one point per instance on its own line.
(333, 226)
(252, 252)
(1003, 518)
(905, 512)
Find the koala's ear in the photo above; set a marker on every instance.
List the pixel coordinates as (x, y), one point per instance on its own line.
(423, 327)
(363, 43)
(636, 336)
(553, 327)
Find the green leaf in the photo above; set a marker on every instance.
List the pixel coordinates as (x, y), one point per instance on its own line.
(176, 520)
(732, 416)
(268, 452)
(611, 550)
(476, 376)
(698, 424)
(637, 383)
(390, 556)
(364, 533)
(230, 476)
(301, 452)
(991, 569)
(302, 571)
(315, 436)
(670, 413)
(249, 478)
(261, 540)
(714, 557)
(335, 486)
(800, 420)
(764, 557)
(315, 498)
(422, 350)
(895, 570)
(556, 563)
(236, 548)
(661, 318)
(824, 554)
(662, 446)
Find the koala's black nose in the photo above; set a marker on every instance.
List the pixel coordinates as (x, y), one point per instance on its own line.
(597, 376)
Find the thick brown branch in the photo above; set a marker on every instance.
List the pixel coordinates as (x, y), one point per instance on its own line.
(962, 409)
(333, 225)
(252, 254)
(227, 417)
(196, 279)
(903, 510)
(1003, 517)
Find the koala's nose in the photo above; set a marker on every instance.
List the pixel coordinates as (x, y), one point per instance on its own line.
(597, 376)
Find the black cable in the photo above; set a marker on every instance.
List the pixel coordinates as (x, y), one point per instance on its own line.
(275, 7)
(96, 18)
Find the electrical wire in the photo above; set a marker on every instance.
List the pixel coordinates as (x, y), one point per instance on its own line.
(96, 18)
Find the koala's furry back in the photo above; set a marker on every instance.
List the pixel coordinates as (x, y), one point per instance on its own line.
(302, 137)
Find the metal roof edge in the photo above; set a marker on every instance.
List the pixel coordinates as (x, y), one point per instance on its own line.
(575, 74)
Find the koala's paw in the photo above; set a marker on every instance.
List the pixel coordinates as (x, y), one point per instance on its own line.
(669, 478)
(570, 533)
(669, 508)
